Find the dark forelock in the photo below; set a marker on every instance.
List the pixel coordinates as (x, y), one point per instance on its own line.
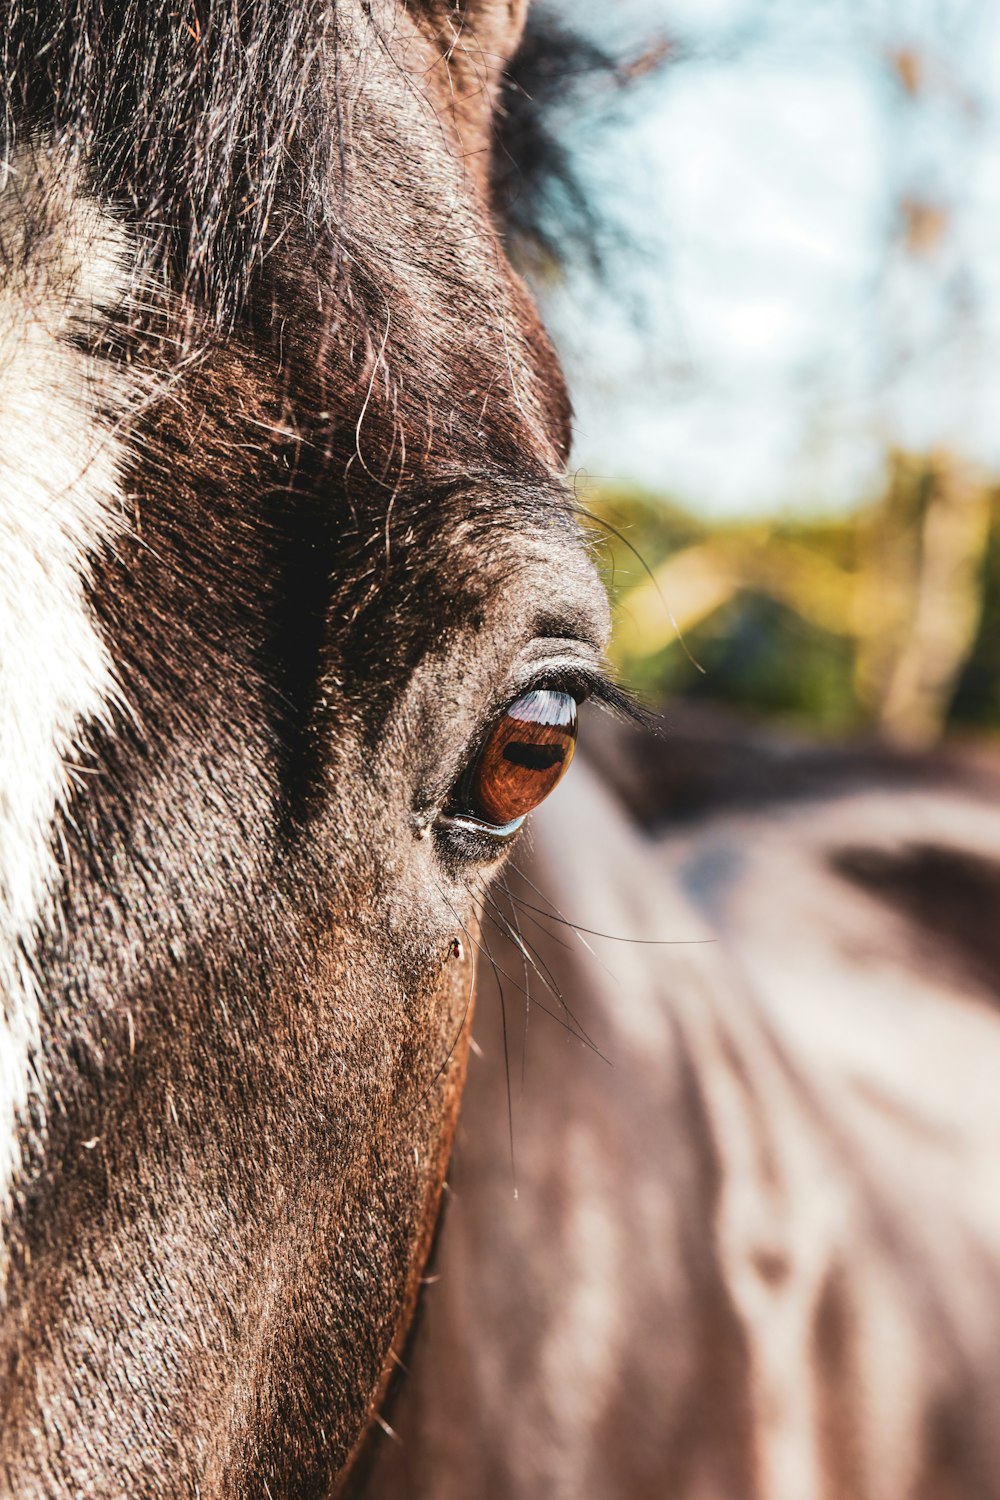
(207, 122)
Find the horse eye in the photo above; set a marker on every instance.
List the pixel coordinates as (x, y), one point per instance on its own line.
(528, 752)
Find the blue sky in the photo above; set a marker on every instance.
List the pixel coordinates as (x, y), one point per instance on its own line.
(774, 326)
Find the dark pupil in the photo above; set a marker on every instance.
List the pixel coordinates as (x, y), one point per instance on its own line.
(534, 757)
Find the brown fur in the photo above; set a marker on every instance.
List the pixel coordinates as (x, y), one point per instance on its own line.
(347, 538)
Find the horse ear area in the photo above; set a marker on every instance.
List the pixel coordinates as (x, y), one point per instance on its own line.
(498, 25)
(474, 40)
(486, 29)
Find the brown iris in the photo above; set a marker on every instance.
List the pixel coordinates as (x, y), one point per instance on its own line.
(527, 753)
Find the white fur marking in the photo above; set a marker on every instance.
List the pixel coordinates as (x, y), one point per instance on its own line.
(62, 263)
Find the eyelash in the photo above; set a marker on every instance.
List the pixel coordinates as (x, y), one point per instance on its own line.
(582, 682)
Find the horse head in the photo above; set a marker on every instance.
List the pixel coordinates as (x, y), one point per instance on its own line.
(294, 620)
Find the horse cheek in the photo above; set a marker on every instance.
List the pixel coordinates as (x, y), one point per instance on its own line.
(452, 1023)
(448, 1018)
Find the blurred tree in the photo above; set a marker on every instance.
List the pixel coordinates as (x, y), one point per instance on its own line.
(926, 544)
(888, 617)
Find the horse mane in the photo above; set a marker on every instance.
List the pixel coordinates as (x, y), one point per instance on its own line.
(205, 127)
(195, 125)
(543, 202)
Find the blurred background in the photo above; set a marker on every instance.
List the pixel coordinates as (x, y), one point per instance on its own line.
(777, 297)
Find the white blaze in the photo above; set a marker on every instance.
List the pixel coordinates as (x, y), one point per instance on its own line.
(63, 264)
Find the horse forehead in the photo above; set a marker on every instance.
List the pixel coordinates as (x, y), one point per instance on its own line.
(62, 264)
(537, 571)
(450, 321)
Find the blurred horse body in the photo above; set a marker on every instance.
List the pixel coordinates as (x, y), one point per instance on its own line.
(758, 1257)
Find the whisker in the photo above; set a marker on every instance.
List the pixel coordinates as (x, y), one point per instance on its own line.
(572, 1030)
(614, 937)
(483, 948)
(506, 1070)
(539, 967)
(529, 955)
(513, 897)
(552, 937)
(527, 987)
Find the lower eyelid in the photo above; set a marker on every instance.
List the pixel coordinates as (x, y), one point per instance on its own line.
(499, 831)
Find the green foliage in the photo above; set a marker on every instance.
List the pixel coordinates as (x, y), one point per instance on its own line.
(886, 619)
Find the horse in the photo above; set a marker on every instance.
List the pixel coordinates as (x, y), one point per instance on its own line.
(295, 619)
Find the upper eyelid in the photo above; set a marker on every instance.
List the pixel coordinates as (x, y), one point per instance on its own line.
(583, 679)
(548, 653)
